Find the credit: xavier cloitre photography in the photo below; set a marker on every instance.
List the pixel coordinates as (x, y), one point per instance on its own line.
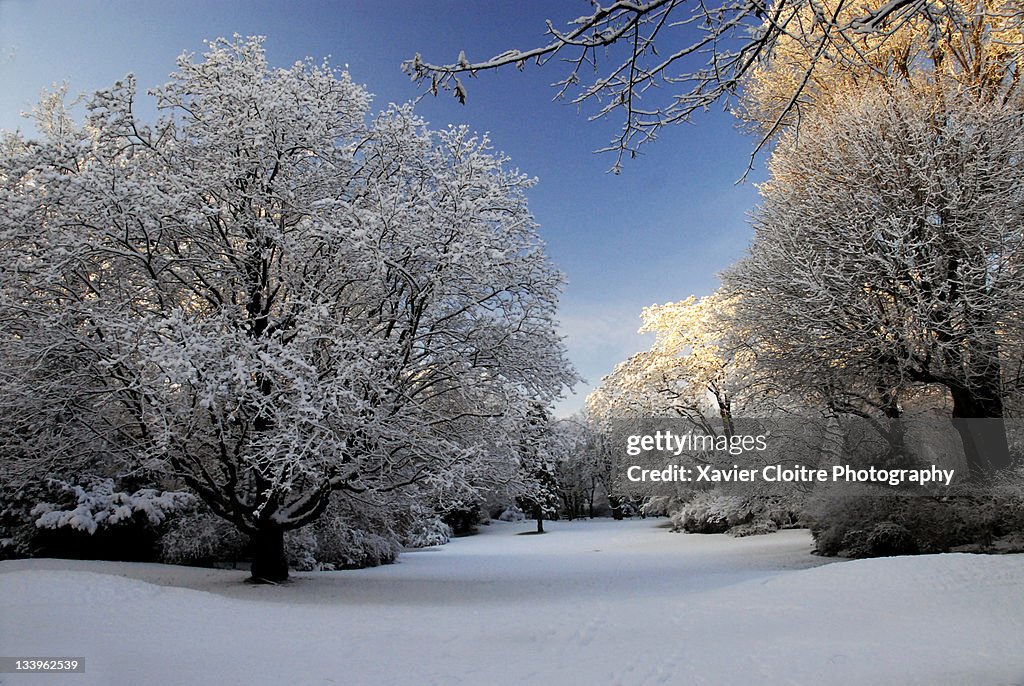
(443, 342)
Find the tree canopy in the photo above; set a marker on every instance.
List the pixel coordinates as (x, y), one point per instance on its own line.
(265, 296)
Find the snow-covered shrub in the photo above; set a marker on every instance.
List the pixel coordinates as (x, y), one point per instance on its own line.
(629, 508)
(366, 549)
(427, 531)
(890, 538)
(712, 512)
(840, 522)
(784, 509)
(463, 520)
(855, 544)
(201, 538)
(884, 540)
(94, 519)
(871, 522)
(350, 538)
(15, 537)
(660, 506)
(301, 547)
(512, 514)
(100, 504)
(1008, 491)
(341, 546)
(754, 528)
(18, 532)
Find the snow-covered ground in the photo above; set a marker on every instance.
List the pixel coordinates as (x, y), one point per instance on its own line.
(589, 603)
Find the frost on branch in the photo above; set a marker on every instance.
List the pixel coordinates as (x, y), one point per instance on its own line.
(656, 63)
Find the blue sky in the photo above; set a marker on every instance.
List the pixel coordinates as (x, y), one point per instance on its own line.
(659, 231)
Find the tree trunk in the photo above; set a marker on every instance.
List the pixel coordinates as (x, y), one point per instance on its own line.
(978, 399)
(569, 507)
(269, 564)
(616, 505)
(538, 514)
(725, 413)
(978, 418)
(896, 436)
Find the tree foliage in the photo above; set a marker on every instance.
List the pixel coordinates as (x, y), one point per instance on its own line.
(974, 48)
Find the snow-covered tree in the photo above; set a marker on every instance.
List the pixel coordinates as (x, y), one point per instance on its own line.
(270, 298)
(888, 247)
(694, 370)
(577, 467)
(538, 455)
(975, 47)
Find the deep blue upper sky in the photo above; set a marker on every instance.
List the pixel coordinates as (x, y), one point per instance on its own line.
(658, 232)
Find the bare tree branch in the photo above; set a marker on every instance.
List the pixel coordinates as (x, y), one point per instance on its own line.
(705, 53)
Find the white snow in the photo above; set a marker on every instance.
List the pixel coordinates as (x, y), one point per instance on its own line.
(588, 603)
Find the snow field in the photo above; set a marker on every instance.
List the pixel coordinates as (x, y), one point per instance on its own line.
(598, 602)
